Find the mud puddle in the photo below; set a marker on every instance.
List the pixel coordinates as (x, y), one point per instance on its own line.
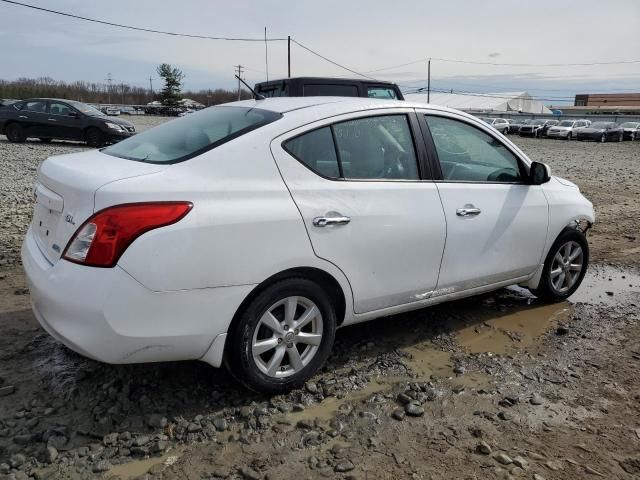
(607, 285)
(137, 468)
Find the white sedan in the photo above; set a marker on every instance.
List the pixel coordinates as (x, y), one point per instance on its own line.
(246, 233)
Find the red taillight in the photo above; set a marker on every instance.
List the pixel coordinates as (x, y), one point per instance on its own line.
(102, 239)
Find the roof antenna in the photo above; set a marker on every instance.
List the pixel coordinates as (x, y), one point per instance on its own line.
(256, 95)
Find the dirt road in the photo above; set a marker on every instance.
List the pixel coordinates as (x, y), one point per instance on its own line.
(497, 386)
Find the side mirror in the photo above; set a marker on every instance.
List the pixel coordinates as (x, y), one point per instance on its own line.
(539, 173)
(74, 114)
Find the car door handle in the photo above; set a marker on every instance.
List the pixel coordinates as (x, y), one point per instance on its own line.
(468, 211)
(22, 116)
(331, 220)
(52, 120)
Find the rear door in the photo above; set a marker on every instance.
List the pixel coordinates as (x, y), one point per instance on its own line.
(367, 205)
(33, 116)
(496, 222)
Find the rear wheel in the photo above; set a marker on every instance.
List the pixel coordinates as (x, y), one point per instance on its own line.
(15, 133)
(94, 138)
(282, 337)
(564, 267)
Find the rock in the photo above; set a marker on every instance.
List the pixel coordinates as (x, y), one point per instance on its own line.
(483, 448)
(344, 466)
(194, 427)
(311, 387)
(110, 439)
(505, 416)
(101, 466)
(305, 423)
(562, 330)
(246, 411)
(159, 446)
(459, 370)
(8, 390)
(398, 414)
(249, 473)
(50, 454)
(17, 459)
(414, 410)
(141, 440)
(220, 424)
(503, 458)
(156, 421)
(536, 399)
(403, 398)
(538, 477)
(57, 441)
(591, 471)
(520, 462)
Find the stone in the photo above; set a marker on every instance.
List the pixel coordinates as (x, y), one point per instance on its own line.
(8, 390)
(220, 424)
(156, 421)
(505, 416)
(249, 473)
(414, 410)
(344, 466)
(503, 458)
(50, 454)
(520, 462)
(101, 466)
(538, 477)
(536, 399)
(398, 414)
(57, 441)
(483, 448)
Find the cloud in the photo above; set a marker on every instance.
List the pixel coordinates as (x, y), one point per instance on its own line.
(494, 54)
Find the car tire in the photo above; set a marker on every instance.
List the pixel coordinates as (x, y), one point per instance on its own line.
(94, 137)
(258, 351)
(620, 137)
(603, 138)
(560, 274)
(569, 137)
(45, 140)
(15, 133)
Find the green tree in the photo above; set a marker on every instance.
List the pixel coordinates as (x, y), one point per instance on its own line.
(172, 77)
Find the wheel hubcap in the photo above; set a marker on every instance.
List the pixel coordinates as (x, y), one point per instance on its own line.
(566, 266)
(287, 337)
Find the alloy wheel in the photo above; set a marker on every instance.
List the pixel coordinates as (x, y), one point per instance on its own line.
(287, 337)
(566, 267)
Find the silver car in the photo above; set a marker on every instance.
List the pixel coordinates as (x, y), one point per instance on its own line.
(567, 129)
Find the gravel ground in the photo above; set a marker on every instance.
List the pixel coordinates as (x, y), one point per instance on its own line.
(496, 386)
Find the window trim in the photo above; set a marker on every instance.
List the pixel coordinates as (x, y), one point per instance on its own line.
(433, 153)
(418, 148)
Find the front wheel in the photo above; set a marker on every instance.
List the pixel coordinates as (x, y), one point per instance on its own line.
(15, 133)
(94, 138)
(282, 337)
(565, 266)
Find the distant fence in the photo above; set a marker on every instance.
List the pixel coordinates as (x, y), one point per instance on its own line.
(618, 118)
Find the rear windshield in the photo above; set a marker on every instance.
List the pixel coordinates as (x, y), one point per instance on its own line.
(187, 137)
(327, 90)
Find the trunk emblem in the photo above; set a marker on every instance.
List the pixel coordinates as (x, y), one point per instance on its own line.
(69, 219)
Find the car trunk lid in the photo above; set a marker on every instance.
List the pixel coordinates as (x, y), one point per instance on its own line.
(65, 190)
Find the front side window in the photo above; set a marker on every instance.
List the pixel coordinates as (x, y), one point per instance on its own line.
(372, 148)
(57, 108)
(382, 92)
(189, 136)
(467, 154)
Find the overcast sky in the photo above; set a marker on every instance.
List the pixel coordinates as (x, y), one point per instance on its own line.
(363, 35)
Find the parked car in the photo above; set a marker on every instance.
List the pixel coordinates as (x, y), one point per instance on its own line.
(111, 111)
(514, 124)
(630, 130)
(49, 118)
(320, 86)
(567, 129)
(499, 124)
(601, 132)
(246, 233)
(535, 128)
(542, 132)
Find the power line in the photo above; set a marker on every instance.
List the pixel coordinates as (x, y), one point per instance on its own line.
(331, 61)
(142, 29)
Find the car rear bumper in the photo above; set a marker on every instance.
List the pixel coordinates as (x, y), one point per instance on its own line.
(105, 314)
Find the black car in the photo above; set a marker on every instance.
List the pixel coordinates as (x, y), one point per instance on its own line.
(542, 132)
(516, 123)
(48, 118)
(601, 132)
(536, 127)
(333, 87)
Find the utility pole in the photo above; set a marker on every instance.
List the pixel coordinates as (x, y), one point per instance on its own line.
(429, 80)
(289, 56)
(239, 73)
(109, 82)
(266, 53)
(151, 86)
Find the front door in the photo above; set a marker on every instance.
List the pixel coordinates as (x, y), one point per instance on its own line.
(365, 204)
(64, 121)
(496, 222)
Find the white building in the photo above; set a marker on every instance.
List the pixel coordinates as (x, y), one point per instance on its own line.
(483, 102)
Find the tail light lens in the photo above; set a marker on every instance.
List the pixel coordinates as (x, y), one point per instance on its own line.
(104, 237)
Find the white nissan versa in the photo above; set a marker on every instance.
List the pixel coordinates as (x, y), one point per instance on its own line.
(246, 233)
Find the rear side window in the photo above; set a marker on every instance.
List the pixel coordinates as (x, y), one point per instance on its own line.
(372, 148)
(39, 106)
(324, 90)
(189, 136)
(382, 92)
